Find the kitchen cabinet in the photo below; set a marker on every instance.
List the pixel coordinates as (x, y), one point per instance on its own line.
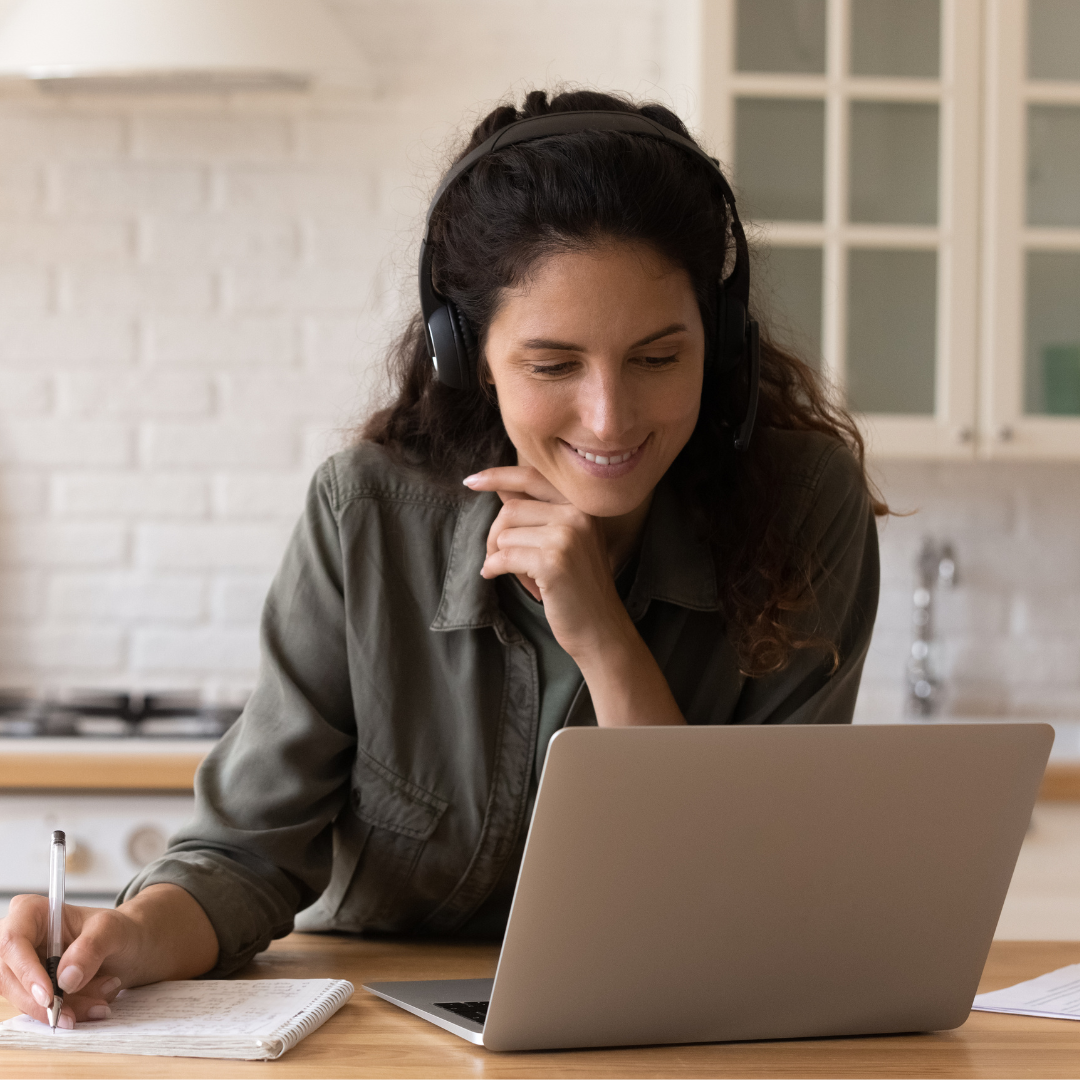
(911, 172)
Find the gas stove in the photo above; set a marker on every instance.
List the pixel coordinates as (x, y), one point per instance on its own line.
(100, 714)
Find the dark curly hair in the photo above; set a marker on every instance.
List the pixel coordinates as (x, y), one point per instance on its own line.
(570, 192)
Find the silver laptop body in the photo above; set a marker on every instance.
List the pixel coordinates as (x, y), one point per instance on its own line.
(705, 884)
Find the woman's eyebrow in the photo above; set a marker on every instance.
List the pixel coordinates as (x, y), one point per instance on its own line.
(551, 343)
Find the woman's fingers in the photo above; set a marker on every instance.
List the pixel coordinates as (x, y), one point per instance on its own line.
(553, 539)
(526, 561)
(95, 936)
(513, 481)
(23, 978)
(92, 1002)
(527, 513)
(101, 936)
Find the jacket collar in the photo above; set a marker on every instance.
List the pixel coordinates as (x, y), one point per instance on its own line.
(675, 565)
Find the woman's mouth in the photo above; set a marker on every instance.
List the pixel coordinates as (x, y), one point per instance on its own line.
(609, 464)
(606, 459)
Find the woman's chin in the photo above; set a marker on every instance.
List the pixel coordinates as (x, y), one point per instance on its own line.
(599, 500)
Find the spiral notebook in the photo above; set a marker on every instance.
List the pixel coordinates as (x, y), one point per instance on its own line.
(250, 1020)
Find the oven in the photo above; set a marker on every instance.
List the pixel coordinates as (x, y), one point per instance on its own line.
(113, 771)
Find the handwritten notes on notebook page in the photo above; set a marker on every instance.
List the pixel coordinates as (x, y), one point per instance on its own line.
(1056, 995)
(221, 1019)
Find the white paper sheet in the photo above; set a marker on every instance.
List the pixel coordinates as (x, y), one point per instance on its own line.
(1056, 995)
(196, 1018)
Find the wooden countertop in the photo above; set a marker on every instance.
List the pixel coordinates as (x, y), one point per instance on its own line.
(101, 765)
(1061, 782)
(372, 1038)
(130, 765)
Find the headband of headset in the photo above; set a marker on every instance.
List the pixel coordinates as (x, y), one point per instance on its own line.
(450, 339)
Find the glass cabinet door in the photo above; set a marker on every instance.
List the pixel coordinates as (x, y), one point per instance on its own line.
(1031, 351)
(850, 131)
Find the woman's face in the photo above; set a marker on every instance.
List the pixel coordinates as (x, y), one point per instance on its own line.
(597, 360)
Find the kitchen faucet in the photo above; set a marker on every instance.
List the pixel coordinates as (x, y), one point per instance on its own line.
(935, 565)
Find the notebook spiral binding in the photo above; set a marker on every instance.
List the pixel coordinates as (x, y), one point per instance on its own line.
(299, 1027)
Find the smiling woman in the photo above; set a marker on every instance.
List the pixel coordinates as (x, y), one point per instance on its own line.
(564, 520)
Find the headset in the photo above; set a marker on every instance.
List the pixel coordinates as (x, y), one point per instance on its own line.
(450, 339)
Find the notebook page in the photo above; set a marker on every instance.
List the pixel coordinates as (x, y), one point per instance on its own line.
(1056, 994)
(196, 1018)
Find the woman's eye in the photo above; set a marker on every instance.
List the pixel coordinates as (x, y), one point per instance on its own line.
(552, 369)
(658, 361)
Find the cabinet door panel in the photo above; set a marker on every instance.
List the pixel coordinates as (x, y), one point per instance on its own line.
(871, 160)
(894, 162)
(1053, 164)
(1052, 368)
(896, 37)
(780, 157)
(790, 281)
(892, 331)
(780, 35)
(1030, 364)
(1054, 39)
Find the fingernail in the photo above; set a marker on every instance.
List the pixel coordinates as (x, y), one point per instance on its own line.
(66, 1022)
(70, 979)
(108, 987)
(98, 1012)
(42, 996)
(470, 480)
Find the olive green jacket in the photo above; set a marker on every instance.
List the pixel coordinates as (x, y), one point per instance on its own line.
(379, 775)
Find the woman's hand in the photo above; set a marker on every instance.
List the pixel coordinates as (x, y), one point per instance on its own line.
(87, 972)
(162, 933)
(559, 554)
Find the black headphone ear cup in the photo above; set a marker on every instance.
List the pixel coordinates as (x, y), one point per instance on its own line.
(465, 344)
(738, 346)
(450, 338)
(731, 328)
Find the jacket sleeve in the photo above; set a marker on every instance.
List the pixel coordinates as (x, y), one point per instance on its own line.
(259, 847)
(836, 522)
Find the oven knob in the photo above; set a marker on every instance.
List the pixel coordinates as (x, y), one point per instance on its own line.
(79, 857)
(146, 844)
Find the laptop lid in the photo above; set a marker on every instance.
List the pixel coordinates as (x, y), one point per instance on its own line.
(724, 883)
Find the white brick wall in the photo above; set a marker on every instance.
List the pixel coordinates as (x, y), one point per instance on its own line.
(194, 298)
(195, 294)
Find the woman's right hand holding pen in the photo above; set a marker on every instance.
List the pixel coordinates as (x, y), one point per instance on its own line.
(162, 933)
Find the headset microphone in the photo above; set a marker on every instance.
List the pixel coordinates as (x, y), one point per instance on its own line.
(450, 339)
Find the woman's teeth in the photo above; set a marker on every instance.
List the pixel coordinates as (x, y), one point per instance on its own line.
(616, 459)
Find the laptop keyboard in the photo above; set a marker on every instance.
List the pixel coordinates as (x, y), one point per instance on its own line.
(471, 1010)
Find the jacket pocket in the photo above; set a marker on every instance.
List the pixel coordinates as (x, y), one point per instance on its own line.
(388, 801)
(399, 818)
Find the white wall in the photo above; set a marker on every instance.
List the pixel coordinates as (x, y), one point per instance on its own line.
(1011, 628)
(194, 297)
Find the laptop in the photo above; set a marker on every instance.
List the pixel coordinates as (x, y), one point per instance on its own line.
(709, 884)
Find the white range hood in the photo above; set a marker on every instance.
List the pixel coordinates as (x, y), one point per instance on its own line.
(177, 45)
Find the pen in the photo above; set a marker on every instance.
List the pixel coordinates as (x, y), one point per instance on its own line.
(57, 866)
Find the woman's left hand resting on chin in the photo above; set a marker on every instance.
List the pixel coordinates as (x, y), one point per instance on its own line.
(560, 555)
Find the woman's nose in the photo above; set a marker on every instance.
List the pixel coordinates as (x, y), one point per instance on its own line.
(605, 408)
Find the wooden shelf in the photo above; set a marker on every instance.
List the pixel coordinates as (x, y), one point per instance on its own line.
(100, 772)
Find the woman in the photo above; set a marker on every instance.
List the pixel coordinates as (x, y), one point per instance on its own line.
(622, 552)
